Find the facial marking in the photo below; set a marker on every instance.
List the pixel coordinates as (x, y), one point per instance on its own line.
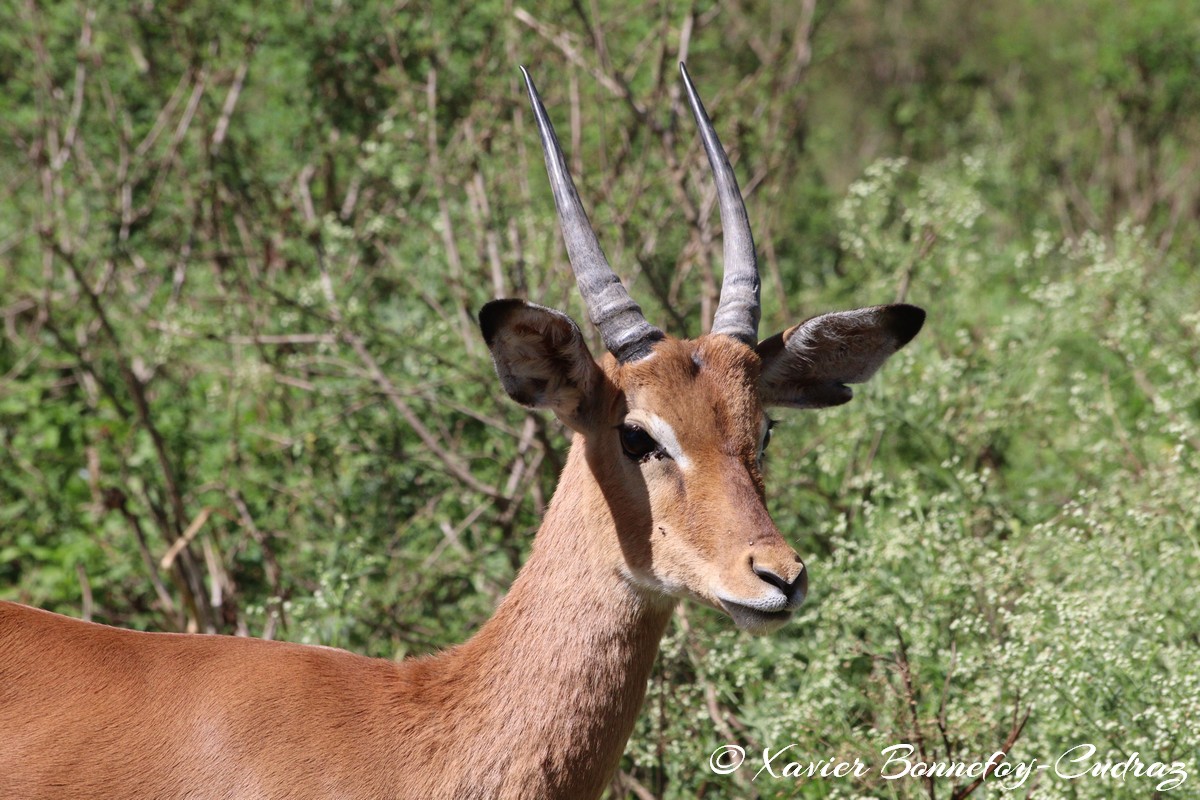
(664, 434)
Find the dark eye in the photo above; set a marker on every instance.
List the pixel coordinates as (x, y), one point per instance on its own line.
(767, 436)
(636, 443)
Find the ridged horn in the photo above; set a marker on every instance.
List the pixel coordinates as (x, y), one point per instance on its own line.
(625, 332)
(738, 312)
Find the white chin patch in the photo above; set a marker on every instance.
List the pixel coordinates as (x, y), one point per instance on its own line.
(755, 620)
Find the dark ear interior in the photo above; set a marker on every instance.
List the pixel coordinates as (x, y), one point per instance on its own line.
(810, 365)
(541, 358)
(493, 314)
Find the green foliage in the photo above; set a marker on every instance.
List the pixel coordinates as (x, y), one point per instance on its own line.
(242, 248)
(1008, 517)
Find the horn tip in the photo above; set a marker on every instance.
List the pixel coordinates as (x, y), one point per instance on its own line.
(528, 79)
(693, 97)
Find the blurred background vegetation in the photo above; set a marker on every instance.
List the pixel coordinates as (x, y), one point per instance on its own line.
(242, 390)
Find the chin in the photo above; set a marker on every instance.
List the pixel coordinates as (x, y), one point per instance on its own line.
(754, 621)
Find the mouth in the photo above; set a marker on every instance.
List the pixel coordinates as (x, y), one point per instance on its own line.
(763, 618)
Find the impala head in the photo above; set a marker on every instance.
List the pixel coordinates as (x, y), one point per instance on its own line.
(675, 430)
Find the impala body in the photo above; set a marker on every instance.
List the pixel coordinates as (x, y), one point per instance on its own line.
(661, 499)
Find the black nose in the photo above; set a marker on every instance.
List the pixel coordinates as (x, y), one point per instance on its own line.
(794, 591)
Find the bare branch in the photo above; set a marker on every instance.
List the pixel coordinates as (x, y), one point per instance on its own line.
(231, 99)
(168, 560)
(1014, 733)
(137, 392)
(626, 782)
(457, 281)
(614, 83)
(910, 697)
(452, 463)
(85, 42)
(941, 717)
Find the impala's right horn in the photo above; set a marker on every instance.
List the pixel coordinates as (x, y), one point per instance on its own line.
(626, 333)
(738, 312)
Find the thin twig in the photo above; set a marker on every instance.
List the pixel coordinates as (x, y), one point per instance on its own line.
(168, 560)
(137, 392)
(115, 499)
(626, 782)
(941, 716)
(1014, 733)
(910, 696)
(449, 460)
(85, 42)
(231, 99)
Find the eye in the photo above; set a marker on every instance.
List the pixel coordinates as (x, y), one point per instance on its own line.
(636, 443)
(767, 436)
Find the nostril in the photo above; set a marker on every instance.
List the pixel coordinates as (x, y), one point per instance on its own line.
(800, 585)
(773, 579)
(794, 591)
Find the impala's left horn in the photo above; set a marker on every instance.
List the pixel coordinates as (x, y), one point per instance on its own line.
(738, 312)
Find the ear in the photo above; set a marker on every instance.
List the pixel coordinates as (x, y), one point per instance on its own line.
(541, 358)
(808, 366)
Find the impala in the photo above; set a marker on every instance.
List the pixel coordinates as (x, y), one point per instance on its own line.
(661, 499)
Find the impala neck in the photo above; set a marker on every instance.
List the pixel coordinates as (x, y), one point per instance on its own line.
(563, 664)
